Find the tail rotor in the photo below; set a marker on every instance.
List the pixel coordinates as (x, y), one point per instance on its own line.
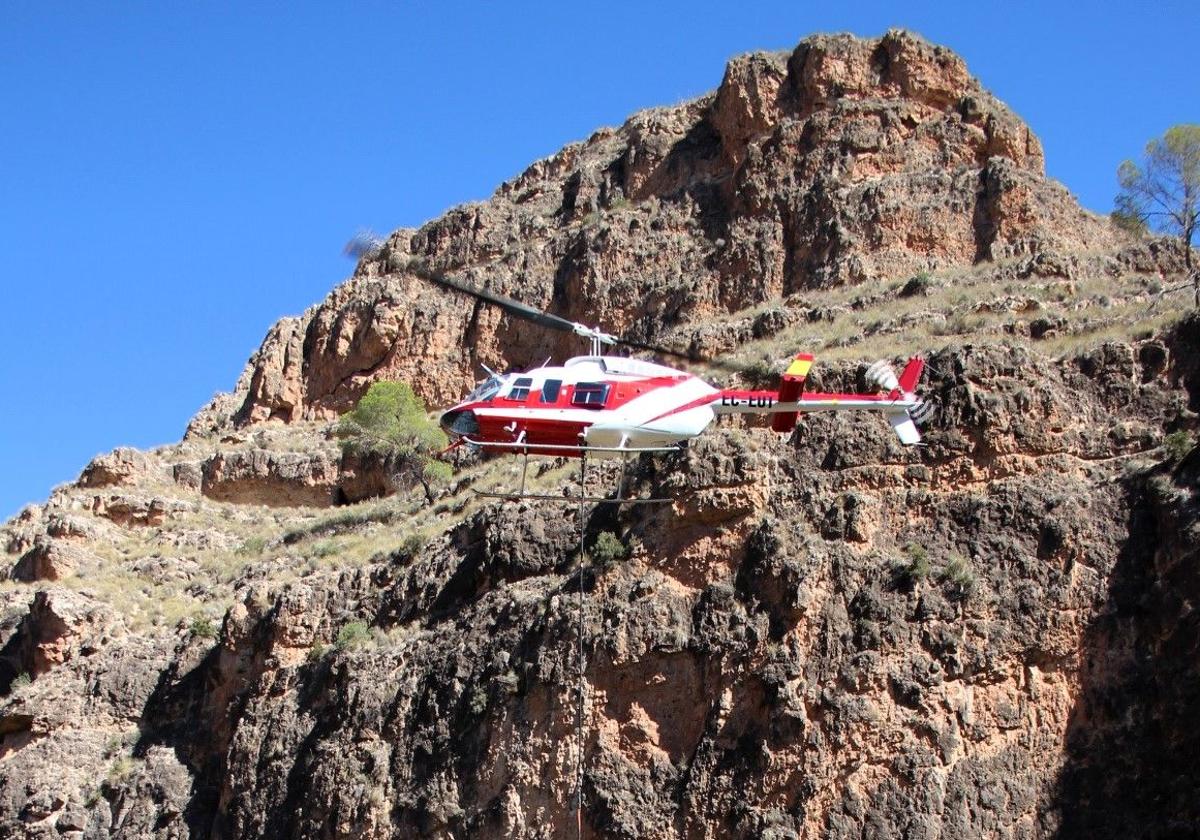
(923, 412)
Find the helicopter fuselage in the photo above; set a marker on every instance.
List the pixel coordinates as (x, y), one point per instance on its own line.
(589, 402)
(609, 405)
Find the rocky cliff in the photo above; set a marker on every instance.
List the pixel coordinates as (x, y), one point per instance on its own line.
(826, 634)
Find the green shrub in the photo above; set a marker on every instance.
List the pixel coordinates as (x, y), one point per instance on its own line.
(121, 769)
(959, 577)
(23, 679)
(316, 653)
(252, 545)
(1177, 444)
(411, 545)
(607, 548)
(353, 635)
(324, 549)
(760, 373)
(916, 568)
(203, 627)
(922, 284)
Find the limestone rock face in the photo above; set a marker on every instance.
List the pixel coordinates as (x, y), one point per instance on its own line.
(50, 560)
(823, 634)
(121, 466)
(266, 478)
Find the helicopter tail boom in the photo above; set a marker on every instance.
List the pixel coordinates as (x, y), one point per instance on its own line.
(898, 399)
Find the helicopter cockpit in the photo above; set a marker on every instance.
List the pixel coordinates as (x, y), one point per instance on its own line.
(487, 389)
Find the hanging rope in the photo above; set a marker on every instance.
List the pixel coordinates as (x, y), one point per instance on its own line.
(579, 635)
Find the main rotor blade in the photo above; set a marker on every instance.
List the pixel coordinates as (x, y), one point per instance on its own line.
(509, 305)
(662, 351)
(554, 322)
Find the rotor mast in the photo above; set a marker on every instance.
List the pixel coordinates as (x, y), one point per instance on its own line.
(597, 337)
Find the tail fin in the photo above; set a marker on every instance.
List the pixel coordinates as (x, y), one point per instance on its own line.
(911, 375)
(790, 388)
(904, 427)
(904, 422)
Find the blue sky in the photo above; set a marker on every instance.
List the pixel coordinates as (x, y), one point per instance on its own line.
(175, 177)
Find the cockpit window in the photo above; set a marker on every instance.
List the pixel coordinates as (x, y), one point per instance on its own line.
(485, 390)
(520, 388)
(550, 389)
(590, 394)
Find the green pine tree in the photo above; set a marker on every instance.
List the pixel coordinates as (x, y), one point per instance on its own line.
(390, 422)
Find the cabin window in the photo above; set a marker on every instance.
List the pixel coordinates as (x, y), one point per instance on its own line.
(550, 390)
(486, 390)
(590, 394)
(520, 388)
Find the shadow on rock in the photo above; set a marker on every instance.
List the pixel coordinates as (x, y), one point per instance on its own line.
(1133, 735)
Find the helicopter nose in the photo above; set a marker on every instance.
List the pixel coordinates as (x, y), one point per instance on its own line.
(461, 422)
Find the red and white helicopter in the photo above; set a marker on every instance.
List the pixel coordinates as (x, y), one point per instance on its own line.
(612, 406)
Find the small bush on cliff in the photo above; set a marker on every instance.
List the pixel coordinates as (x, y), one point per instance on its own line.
(922, 284)
(607, 549)
(959, 577)
(121, 769)
(915, 569)
(411, 545)
(1177, 444)
(203, 627)
(23, 679)
(478, 701)
(353, 635)
(390, 423)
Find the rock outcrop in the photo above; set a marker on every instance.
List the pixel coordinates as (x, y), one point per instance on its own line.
(823, 635)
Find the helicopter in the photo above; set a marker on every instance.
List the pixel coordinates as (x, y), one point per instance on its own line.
(614, 406)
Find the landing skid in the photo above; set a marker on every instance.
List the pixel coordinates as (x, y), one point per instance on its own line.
(582, 498)
(541, 497)
(568, 450)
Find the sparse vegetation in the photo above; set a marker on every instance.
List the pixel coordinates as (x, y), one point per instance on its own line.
(343, 521)
(203, 627)
(959, 578)
(327, 548)
(509, 682)
(915, 568)
(921, 284)
(121, 769)
(316, 653)
(23, 679)
(1177, 444)
(760, 373)
(353, 635)
(478, 701)
(252, 546)
(411, 545)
